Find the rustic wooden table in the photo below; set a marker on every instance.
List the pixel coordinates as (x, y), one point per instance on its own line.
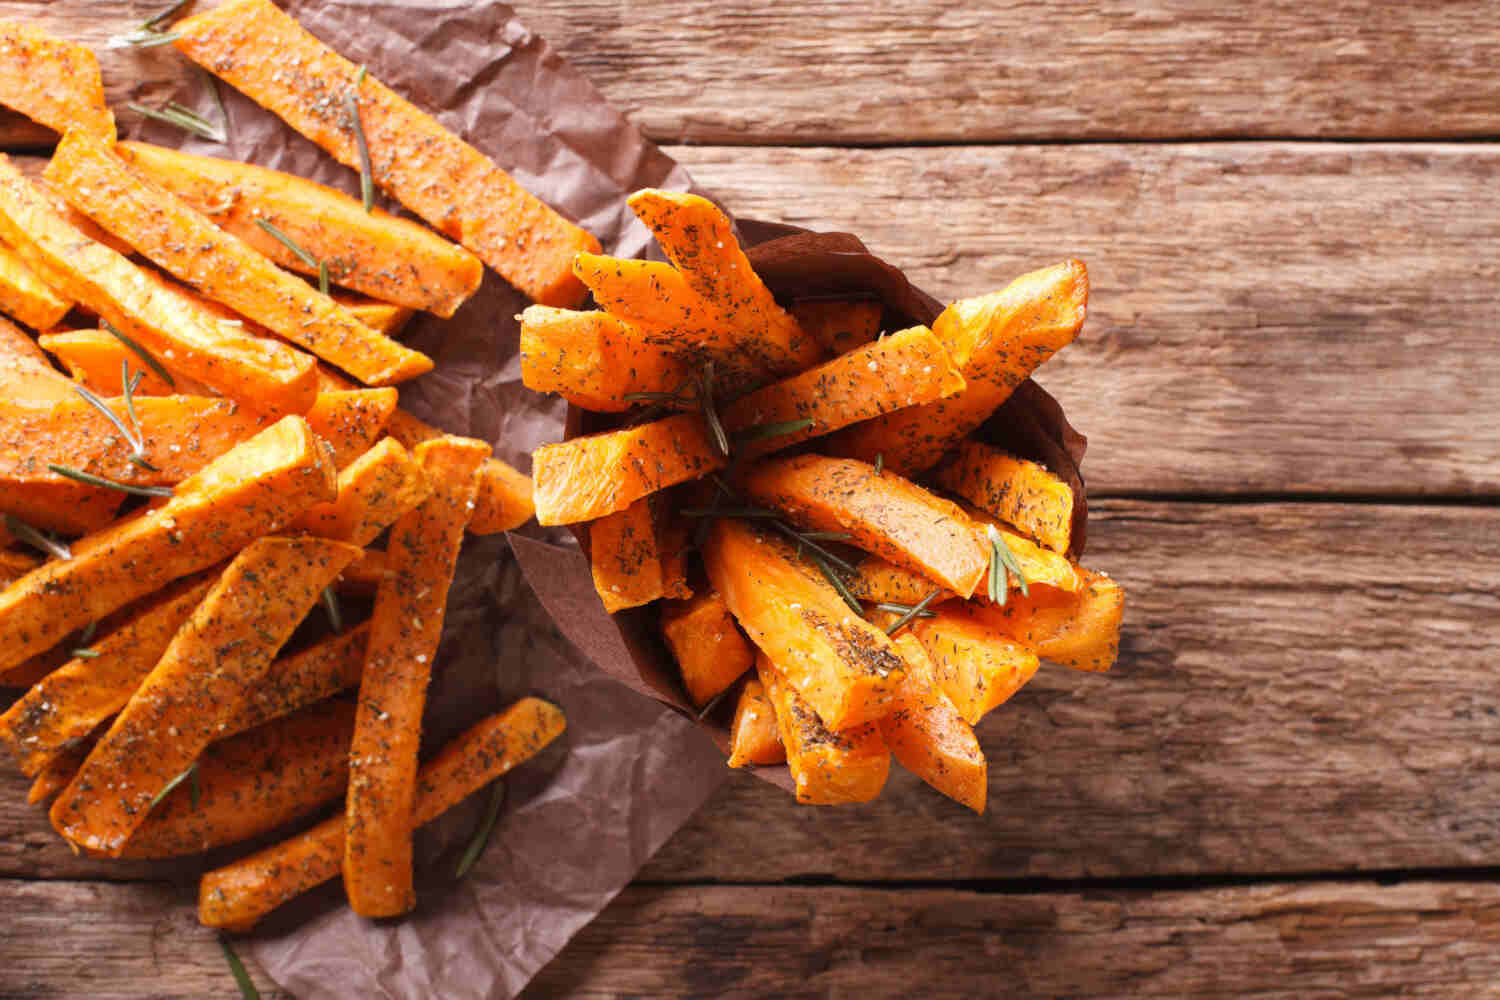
(1289, 381)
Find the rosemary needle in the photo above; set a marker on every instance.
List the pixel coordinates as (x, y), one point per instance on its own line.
(482, 835)
(366, 170)
(288, 242)
(915, 611)
(237, 970)
(167, 788)
(79, 476)
(839, 585)
(764, 431)
(36, 538)
(146, 356)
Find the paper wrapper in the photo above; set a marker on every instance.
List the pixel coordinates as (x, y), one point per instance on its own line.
(795, 264)
(582, 819)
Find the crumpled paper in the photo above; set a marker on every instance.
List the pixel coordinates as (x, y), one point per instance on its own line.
(581, 819)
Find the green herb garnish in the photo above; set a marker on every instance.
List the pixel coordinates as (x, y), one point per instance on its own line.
(237, 970)
(764, 431)
(88, 479)
(918, 610)
(1002, 565)
(167, 789)
(146, 356)
(366, 169)
(37, 538)
(182, 117)
(482, 835)
(839, 585)
(289, 243)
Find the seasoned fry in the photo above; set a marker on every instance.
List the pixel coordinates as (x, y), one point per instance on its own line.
(351, 421)
(708, 646)
(698, 238)
(24, 295)
(829, 767)
(673, 542)
(238, 895)
(754, 738)
(251, 490)
(251, 783)
(387, 258)
(219, 654)
(1038, 565)
(53, 82)
(975, 665)
(845, 667)
(69, 508)
(839, 325)
(625, 559)
(58, 773)
(879, 581)
(905, 369)
(382, 316)
(404, 633)
(996, 341)
(885, 514)
(594, 360)
(14, 565)
(374, 490)
(366, 573)
(504, 500)
(220, 265)
(27, 378)
(1022, 494)
(264, 374)
(93, 358)
(330, 665)
(585, 478)
(1081, 630)
(428, 169)
(928, 736)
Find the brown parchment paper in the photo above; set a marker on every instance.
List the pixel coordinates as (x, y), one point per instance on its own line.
(582, 819)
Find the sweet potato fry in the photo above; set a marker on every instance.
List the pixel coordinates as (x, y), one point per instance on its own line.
(441, 178)
(594, 360)
(220, 265)
(27, 378)
(879, 581)
(251, 783)
(754, 738)
(24, 295)
(58, 773)
(845, 667)
(14, 565)
(238, 895)
(585, 478)
(839, 325)
(330, 665)
(905, 369)
(374, 490)
(1022, 494)
(624, 556)
(928, 736)
(387, 258)
(404, 632)
(251, 490)
(266, 375)
(1038, 565)
(93, 358)
(996, 341)
(365, 574)
(51, 81)
(829, 767)
(69, 508)
(884, 514)
(1079, 630)
(504, 500)
(698, 238)
(382, 316)
(709, 648)
(974, 664)
(673, 541)
(222, 650)
(71, 701)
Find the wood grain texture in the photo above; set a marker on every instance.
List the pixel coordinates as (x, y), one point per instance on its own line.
(824, 71)
(1272, 318)
(111, 942)
(1322, 940)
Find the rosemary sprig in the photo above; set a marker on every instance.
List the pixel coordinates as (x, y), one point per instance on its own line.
(84, 653)
(143, 38)
(87, 635)
(237, 970)
(88, 479)
(195, 790)
(839, 585)
(165, 15)
(192, 770)
(827, 536)
(482, 835)
(218, 98)
(366, 170)
(710, 414)
(879, 463)
(775, 430)
(323, 277)
(1002, 566)
(275, 233)
(146, 356)
(713, 703)
(37, 538)
(918, 610)
(132, 432)
(818, 550)
(184, 118)
(331, 605)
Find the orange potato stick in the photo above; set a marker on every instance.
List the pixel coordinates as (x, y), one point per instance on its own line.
(69, 508)
(388, 258)
(365, 574)
(330, 665)
(382, 316)
(220, 653)
(624, 557)
(27, 378)
(829, 767)
(698, 238)
(51, 81)
(974, 664)
(844, 666)
(928, 736)
(708, 646)
(93, 358)
(238, 895)
(374, 490)
(1022, 494)
(350, 422)
(14, 565)
(879, 581)
(996, 340)
(252, 782)
(220, 265)
(754, 738)
(254, 488)
(264, 374)
(839, 325)
(431, 171)
(404, 632)
(594, 360)
(1080, 630)
(674, 541)
(71, 701)
(24, 295)
(882, 512)
(585, 478)
(905, 369)
(58, 773)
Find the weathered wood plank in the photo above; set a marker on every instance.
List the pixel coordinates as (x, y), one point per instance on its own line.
(1303, 687)
(824, 71)
(1314, 940)
(1264, 317)
(111, 942)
